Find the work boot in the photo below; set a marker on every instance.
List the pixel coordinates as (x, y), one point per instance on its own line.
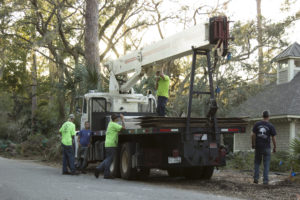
(96, 173)
(255, 181)
(75, 173)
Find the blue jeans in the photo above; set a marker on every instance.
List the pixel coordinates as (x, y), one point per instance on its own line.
(105, 164)
(161, 105)
(68, 158)
(265, 155)
(82, 157)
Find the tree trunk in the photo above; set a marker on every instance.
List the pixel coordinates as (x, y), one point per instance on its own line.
(33, 92)
(261, 70)
(91, 40)
(61, 92)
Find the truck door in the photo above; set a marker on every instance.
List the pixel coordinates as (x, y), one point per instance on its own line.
(98, 113)
(84, 114)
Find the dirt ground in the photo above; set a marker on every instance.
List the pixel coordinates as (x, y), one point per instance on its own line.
(235, 184)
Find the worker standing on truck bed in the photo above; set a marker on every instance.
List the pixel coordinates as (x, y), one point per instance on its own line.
(162, 87)
(261, 133)
(111, 144)
(83, 142)
(67, 131)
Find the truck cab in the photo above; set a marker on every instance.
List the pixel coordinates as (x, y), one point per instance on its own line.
(97, 107)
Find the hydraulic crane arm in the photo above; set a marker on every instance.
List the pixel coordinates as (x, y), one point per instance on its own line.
(173, 47)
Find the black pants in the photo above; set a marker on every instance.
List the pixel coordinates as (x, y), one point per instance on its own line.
(161, 105)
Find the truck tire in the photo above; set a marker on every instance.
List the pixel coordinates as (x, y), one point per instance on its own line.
(127, 172)
(175, 172)
(193, 173)
(115, 165)
(208, 172)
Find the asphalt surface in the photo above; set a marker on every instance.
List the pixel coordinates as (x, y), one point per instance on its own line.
(25, 180)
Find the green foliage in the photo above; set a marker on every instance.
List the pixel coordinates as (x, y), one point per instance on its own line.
(146, 84)
(240, 161)
(41, 147)
(295, 146)
(280, 162)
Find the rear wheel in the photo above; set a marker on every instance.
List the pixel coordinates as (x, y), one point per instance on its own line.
(127, 172)
(194, 173)
(208, 172)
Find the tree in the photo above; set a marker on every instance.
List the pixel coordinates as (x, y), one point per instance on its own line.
(259, 40)
(91, 40)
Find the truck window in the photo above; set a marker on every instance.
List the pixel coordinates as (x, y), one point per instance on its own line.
(98, 105)
(98, 113)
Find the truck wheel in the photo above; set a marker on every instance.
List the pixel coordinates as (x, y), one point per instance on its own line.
(193, 172)
(175, 172)
(208, 172)
(127, 172)
(115, 165)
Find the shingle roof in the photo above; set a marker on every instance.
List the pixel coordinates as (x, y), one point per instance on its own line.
(283, 99)
(292, 51)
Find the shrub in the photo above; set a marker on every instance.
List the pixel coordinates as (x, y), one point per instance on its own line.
(33, 146)
(240, 160)
(280, 161)
(40, 146)
(53, 150)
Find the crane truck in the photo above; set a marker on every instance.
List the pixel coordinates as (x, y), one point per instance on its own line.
(184, 146)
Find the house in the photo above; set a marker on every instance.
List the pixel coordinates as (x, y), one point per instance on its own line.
(282, 99)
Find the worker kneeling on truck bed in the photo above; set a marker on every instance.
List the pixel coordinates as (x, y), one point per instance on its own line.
(162, 87)
(111, 144)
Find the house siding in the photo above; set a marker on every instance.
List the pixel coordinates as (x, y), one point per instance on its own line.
(297, 129)
(283, 136)
(242, 142)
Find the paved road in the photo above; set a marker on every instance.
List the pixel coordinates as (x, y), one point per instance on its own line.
(25, 180)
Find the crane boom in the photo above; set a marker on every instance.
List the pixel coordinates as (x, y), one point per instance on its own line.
(173, 47)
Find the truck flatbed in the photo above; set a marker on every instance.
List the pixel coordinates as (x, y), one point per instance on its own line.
(154, 124)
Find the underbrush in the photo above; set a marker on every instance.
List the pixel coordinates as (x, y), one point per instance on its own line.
(36, 146)
(280, 162)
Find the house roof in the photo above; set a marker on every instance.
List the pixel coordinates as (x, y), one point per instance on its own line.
(283, 99)
(292, 51)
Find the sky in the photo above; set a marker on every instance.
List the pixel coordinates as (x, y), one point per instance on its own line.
(243, 10)
(246, 9)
